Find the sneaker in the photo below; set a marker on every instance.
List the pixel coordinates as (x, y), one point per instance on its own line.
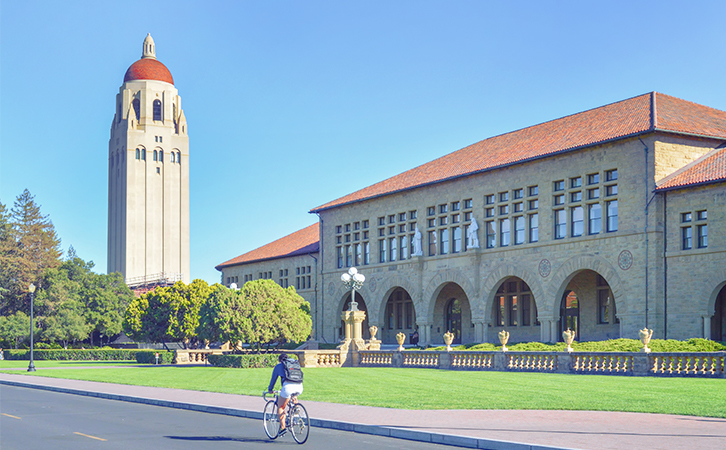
(282, 432)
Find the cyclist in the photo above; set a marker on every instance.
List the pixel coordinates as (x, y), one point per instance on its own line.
(290, 388)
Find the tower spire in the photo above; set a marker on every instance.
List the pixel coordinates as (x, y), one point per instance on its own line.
(149, 48)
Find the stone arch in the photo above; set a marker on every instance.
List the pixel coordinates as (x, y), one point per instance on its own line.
(434, 287)
(339, 294)
(717, 279)
(567, 271)
(387, 286)
(480, 311)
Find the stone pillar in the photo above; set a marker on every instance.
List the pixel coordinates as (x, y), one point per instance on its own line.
(564, 362)
(480, 331)
(424, 334)
(707, 327)
(353, 341)
(641, 364)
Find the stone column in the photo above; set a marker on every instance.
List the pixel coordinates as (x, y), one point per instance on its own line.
(707, 327)
(424, 334)
(353, 342)
(480, 332)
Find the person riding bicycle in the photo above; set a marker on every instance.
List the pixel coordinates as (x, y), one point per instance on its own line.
(288, 369)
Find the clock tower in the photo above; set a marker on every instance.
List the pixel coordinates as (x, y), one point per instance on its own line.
(148, 177)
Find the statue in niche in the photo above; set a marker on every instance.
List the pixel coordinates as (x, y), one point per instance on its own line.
(417, 251)
(471, 234)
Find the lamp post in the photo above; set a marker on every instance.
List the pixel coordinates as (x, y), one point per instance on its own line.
(353, 281)
(31, 366)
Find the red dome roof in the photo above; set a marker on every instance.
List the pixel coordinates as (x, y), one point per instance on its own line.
(148, 69)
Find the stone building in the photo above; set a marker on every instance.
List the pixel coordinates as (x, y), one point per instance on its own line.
(598, 222)
(148, 177)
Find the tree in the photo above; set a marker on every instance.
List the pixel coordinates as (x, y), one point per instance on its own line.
(261, 313)
(67, 325)
(16, 328)
(167, 313)
(29, 246)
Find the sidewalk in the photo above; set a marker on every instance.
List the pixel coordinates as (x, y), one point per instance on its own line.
(486, 429)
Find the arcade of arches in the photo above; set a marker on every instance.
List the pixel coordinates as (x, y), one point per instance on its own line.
(718, 320)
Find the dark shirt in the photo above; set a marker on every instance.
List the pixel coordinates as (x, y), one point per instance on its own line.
(278, 371)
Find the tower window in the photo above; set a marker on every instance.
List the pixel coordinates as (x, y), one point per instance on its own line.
(138, 153)
(137, 108)
(178, 157)
(161, 155)
(157, 109)
(156, 155)
(143, 154)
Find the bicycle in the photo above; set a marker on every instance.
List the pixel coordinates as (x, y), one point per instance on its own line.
(296, 419)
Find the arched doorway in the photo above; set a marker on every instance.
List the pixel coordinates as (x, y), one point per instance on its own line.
(453, 319)
(718, 321)
(361, 307)
(400, 316)
(570, 314)
(514, 309)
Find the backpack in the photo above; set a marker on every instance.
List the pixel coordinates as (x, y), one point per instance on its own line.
(293, 371)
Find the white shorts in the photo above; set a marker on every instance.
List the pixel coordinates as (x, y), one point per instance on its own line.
(290, 389)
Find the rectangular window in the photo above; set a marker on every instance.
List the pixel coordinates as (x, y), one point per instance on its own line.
(401, 217)
(612, 212)
(404, 247)
(576, 196)
(560, 224)
(702, 236)
(526, 309)
(518, 207)
(504, 196)
(340, 259)
(358, 254)
(594, 214)
(432, 222)
(685, 217)
(559, 185)
(432, 243)
(468, 204)
(701, 215)
(366, 253)
(392, 229)
(533, 227)
(443, 221)
(356, 226)
(347, 228)
(348, 256)
(491, 234)
(518, 193)
(456, 240)
(575, 182)
(392, 218)
(533, 204)
(577, 218)
(533, 190)
(365, 224)
(456, 218)
(593, 193)
(381, 232)
(503, 210)
(490, 212)
(356, 236)
(687, 238)
(611, 175)
(443, 209)
(455, 206)
(593, 178)
(444, 247)
(382, 250)
(393, 248)
(412, 215)
(513, 310)
(504, 232)
(381, 221)
(519, 230)
(611, 190)
(560, 199)
(467, 216)
(431, 210)
(500, 311)
(489, 199)
(402, 228)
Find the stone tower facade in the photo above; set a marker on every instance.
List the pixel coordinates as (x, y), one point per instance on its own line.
(148, 177)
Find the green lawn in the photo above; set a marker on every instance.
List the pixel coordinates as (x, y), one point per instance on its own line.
(432, 389)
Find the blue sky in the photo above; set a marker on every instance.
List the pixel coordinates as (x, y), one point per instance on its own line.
(291, 104)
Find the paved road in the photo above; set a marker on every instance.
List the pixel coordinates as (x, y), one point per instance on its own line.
(36, 419)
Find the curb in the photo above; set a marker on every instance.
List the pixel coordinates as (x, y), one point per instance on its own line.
(397, 433)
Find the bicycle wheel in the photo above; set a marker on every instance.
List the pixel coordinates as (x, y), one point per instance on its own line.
(270, 420)
(299, 423)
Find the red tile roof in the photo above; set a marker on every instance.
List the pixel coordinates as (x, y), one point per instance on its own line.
(710, 168)
(148, 69)
(631, 117)
(300, 242)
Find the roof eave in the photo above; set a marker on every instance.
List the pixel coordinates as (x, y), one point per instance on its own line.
(690, 185)
(289, 255)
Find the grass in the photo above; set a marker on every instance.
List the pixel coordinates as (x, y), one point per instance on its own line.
(17, 364)
(436, 389)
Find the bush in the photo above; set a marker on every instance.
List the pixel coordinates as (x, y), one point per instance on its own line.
(613, 345)
(72, 355)
(256, 361)
(149, 356)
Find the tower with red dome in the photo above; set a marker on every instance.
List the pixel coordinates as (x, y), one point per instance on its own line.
(148, 177)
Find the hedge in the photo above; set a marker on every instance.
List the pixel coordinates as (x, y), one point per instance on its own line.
(613, 345)
(149, 356)
(101, 354)
(256, 361)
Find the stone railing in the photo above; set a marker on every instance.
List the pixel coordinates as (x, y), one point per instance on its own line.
(711, 364)
(319, 358)
(194, 356)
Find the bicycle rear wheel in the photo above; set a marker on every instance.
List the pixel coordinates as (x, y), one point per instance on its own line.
(299, 423)
(270, 420)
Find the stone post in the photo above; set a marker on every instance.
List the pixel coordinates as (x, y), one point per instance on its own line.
(500, 361)
(397, 359)
(353, 342)
(564, 362)
(445, 360)
(641, 364)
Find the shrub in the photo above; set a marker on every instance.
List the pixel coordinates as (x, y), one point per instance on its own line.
(613, 345)
(72, 355)
(149, 356)
(256, 361)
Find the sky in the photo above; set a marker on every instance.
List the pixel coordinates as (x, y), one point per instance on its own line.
(291, 104)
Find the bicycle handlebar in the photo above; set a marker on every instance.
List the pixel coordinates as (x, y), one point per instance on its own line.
(266, 393)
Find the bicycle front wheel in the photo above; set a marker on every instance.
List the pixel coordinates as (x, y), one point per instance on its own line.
(270, 420)
(299, 423)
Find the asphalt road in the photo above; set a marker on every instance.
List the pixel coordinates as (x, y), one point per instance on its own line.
(37, 419)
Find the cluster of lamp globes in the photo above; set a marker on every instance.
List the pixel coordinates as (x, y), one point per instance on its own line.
(353, 280)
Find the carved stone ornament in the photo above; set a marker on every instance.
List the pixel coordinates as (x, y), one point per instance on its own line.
(448, 339)
(504, 338)
(372, 284)
(544, 268)
(625, 259)
(373, 330)
(331, 289)
(569, 336)
(645, 335)
(400, 338)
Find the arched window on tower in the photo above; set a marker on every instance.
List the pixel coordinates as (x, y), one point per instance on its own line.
(138, 153)
(161, 155)
(157, 109)
(137, 107)
(143, 154)
(118, 113)
(178, 157)
(156, 155)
